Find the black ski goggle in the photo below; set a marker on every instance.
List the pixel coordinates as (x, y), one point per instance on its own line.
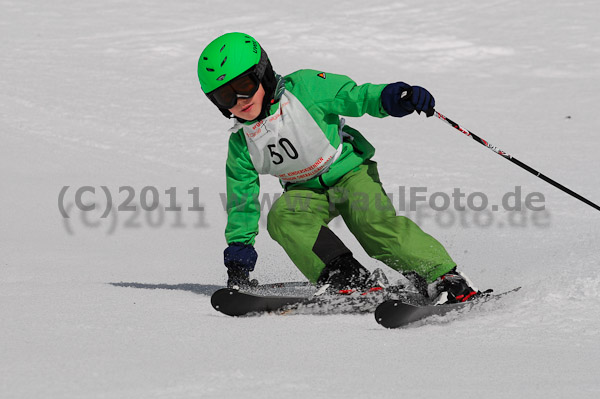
(244, 86)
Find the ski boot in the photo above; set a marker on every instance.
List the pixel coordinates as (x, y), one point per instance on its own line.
(452, 287)
(345, 275)
(240, 280)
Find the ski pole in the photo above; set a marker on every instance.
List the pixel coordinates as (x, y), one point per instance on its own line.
(512, 159)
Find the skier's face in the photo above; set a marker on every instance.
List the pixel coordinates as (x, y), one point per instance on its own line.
(249, 108)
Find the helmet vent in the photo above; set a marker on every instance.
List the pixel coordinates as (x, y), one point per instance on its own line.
(224, 60)
(210, 69)
(205, 59)
(222, 48)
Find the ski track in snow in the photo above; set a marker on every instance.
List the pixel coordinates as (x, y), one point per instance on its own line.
(106, 94)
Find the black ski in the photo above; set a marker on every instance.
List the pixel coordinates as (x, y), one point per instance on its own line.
(236, 303)
(239, 303)
(398, 313)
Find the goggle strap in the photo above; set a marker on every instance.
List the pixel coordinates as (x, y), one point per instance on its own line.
(261, 67)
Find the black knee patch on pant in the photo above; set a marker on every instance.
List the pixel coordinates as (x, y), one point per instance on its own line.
(328, 246)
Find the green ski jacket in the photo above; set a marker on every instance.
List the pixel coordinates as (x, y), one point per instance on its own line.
(303, 142)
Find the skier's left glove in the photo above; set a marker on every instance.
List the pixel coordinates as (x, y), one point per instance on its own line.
(240, 260)
(401, 99)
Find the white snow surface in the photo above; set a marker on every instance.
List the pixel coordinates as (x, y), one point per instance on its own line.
(106, 94)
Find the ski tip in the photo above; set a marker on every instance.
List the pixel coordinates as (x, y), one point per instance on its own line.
(218, 300)
(394, 313)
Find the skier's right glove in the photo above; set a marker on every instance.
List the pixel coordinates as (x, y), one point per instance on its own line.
(240, 260)
(401, 99)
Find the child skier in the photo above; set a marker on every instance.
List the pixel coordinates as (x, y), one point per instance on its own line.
(290, 127)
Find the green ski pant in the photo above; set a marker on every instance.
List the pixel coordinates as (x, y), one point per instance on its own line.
(298, 218)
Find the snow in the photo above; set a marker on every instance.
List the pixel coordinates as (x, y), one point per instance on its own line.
(105, 94)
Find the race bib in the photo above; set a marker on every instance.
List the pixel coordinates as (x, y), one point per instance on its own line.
(290, 144)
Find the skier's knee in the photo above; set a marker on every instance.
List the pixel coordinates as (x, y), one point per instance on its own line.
(274, 220)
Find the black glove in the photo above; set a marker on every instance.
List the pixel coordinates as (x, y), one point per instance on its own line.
(401, 99)
(240, 260)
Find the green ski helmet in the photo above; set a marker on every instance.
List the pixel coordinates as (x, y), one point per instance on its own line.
(229, 56)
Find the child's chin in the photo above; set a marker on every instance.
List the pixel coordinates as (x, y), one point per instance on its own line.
(249, 116)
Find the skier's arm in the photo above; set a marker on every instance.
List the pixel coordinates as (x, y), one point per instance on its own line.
(338, 94)
(243, 209)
